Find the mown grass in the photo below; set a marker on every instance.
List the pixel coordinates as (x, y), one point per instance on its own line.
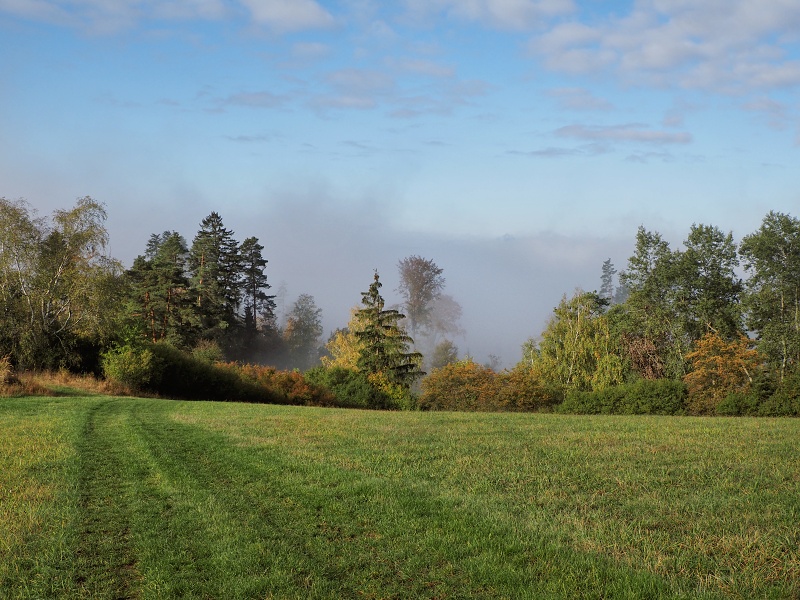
(128, 498)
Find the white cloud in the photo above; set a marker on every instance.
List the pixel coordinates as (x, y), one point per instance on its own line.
(109, 16)
(289, 15)
(505, 14)
(730, 46)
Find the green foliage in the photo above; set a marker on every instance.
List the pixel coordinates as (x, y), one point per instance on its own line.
(132, 366)
(350, 388)
(653, 397)
(57, 292)
(576, 350)
(184, 376)
(384, 344)
(739, 404)
(772, 258)
(208, 351)
(215, 267)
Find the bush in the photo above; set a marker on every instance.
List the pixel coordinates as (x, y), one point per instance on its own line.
(657, 397)
(522, 389)
(207, 351)
(6, 370)
(645, 396)
(785, 402)
(462, 385)
(350, 388)
(467, 385)
(133, 367)
(293, 386)
(184, 376)
(739, 404)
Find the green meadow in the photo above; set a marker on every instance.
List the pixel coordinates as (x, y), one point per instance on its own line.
(105, 497)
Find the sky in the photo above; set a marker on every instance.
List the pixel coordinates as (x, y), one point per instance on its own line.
(517, 143)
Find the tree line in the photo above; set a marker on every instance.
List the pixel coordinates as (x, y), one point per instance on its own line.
(713, 323)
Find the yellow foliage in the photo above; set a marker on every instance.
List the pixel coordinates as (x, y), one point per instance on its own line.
(344, 347)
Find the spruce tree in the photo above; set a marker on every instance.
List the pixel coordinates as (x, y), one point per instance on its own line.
(214, 263)
(384, 343)
(257, 304)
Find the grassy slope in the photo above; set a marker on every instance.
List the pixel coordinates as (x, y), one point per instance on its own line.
(110, 498)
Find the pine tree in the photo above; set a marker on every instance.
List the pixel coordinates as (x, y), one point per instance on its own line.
(159, 290)
(385, 343)
(607, 281)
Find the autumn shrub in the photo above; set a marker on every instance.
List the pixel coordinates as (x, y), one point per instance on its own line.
(462, 385)
(349, 388)
(183, 376)
(292, 386)
(6, 370)
(131, 366)
(523, 389)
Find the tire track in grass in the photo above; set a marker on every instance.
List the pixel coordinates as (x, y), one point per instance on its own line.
(336, 533)
(106, 565)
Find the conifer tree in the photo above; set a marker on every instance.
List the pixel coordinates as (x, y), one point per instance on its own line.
(159, 291)
(257, 304)
(384, 343)
(214, 263)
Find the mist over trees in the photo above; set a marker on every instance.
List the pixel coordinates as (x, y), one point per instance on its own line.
(674, 330)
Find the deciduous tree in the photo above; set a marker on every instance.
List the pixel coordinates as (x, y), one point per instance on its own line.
(421, 283)
(718, 368)
(302, 331)
(56, 282)
(771, 256)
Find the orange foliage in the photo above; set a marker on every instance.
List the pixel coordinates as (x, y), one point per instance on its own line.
(290, 384)
(719, 367)
(467, 385)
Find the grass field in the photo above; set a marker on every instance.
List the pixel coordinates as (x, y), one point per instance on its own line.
(106, 497)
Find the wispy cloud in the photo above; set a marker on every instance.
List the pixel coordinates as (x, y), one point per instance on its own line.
(263, 99)
(579, 99)
(630, 132)
(593, 149)
(776, 114)
(504, 14)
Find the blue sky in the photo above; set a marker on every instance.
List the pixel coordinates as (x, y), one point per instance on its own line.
(518, 143)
